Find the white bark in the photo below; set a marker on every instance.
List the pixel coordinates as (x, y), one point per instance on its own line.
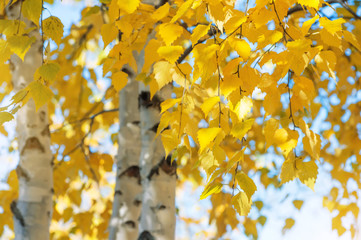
(148, 195)
(33, 209)
(128, 189)
(158, 175)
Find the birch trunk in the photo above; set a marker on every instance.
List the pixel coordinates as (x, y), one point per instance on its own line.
(128, 189)
(33, 208)
(158, 175)
(146, 181)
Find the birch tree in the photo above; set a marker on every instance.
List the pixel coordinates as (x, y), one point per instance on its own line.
(264, 99)
(32, 211)
(128, 189)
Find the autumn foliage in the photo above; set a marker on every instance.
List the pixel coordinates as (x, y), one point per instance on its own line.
(252, 82)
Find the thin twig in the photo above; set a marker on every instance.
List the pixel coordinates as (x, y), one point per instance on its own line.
(289, 77)
(219, 88)
(236, 170)
(19, 18)
(87, 159)
(264, 53)
(184, 91)
(42, 32)
(280, 22)
(86, 118)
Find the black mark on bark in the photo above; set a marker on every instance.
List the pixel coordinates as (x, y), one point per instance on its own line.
(167, 167)
(146, 236)
(32, 143)
(129, 224)
(17, 214)
(132, 171)
(145, 101)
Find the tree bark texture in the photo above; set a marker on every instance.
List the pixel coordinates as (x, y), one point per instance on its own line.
(33, 209)
(127, 196)
(158, 175)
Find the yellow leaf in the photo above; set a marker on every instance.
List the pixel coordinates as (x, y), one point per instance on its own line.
(199, 32)
(332, 26)
(119, 80)
(337, 224)
(150, 54)
(211, 189)
(326, 61)
(270, 127)
(5, 73)
(40, 93)
(311, 142)
(288, 170)
(307, 172)
(67, 214)
(75, 196)
(241, 203)
(288, 146)
(289, 222)
(170, 53)
(5, 117)
(20, 44)
(162, 71)
(235, 21)
(168, 103)
(5, 51)
(182, 10)
(243, 107)
(53, 28)
(310, 3)
(164, 122)
(280, 136)
(209, 104)
(237, 157)
(207, 161)
(296, 167)
(109, 32)
(169, 140)
(47, 72)
(351, 38)
(307, 24)
(31, 9)
(240, 129)
(206, 136)
(13, 180)
(275, 36)
(170, 32)
(298, 204)
(246, 183)
(241, 46)
(107, 162)
(11, 27)
(128, 6)
(19, 96)
(161, 12)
